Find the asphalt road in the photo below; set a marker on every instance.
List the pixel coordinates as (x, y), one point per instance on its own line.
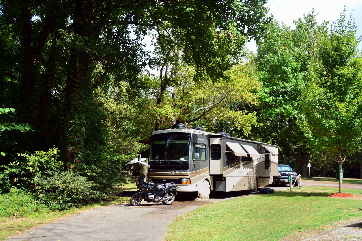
(124, 222)
(117, 222)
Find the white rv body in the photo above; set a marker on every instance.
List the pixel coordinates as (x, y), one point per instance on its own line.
(200, 161)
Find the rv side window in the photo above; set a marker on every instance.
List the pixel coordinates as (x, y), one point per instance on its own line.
(215, 151)
(247, 158)
(267, 161)
(200, 152)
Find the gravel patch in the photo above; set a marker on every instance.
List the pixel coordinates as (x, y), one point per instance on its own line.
(349, 232)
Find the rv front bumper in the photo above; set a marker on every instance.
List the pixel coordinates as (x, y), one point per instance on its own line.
(186, 188)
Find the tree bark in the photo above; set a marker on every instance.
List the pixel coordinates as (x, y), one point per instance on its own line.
(27, 78)
(77, 84)
(303, 160)
(340, 169)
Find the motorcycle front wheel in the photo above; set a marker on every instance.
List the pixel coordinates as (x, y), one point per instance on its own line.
(136, 199)
(171, 197)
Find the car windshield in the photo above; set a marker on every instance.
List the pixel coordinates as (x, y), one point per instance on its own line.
(285, 169)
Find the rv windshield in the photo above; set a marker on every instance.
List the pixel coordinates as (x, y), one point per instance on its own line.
(170, 147)
(170, 150)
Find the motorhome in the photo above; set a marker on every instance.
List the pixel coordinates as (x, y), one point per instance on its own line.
(200, 161)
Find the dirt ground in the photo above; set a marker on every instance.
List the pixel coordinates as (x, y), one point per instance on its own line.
(148, 221)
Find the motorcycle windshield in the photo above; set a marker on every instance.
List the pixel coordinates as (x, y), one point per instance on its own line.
(170, 152)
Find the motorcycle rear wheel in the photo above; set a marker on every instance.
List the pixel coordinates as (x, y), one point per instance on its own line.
(171, 198)
(136, 199)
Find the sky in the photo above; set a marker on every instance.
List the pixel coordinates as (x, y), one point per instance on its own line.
(287, 11)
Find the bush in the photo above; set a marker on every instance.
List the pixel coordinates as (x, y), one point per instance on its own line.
(24, 168)
(43, 164)
(105, 168)
(17, 203)
(65, 190)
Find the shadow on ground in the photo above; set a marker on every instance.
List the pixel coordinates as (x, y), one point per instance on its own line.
(192, 196)
(355, 225)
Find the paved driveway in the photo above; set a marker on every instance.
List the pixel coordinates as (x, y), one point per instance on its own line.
(117, 222)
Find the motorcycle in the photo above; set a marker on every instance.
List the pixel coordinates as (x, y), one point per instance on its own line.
(151, 192)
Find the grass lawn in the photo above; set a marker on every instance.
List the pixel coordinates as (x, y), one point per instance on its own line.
(266, 217)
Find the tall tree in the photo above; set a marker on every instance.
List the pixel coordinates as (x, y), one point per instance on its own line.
(311, 86)
(65, 51)
(331, 100)
(282, 59)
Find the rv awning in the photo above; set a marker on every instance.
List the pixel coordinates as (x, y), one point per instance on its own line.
(272, 150)
(237, 149)
(251, 151)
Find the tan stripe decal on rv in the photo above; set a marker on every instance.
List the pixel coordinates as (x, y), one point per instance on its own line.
(164, 175)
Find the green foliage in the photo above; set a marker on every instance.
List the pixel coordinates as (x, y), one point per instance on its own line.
(18, 203)
(24, 170)
(5, 125)
(332, 97)
(57, 55)
(282, 62)
(107, 171)
(310, 101)
(181, 98)
(43, 164)
(42, 173)
(331, 100)
(73, 72)
(10, 175)
(65, 190)
(9, 128)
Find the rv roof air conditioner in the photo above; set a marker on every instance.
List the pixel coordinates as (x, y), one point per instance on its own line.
(178, 126)
(199, 129)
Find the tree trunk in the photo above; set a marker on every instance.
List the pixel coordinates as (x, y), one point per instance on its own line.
(77, 85)
(303, 160)
(27, 78)
(159, 100)
(340, 163)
